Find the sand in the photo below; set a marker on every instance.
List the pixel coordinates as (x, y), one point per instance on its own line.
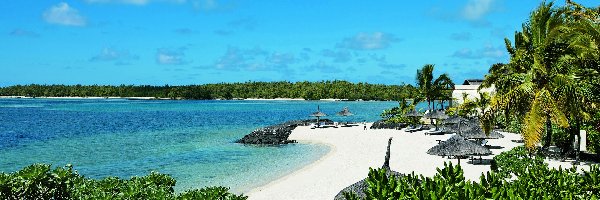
(354, 150)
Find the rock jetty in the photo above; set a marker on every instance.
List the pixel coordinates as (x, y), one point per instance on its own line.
(380, 124)
(276, 134)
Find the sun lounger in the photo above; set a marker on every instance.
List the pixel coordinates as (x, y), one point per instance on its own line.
(434, 132)
(418, 128)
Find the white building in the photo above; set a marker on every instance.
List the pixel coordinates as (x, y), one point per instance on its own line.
(469, 87)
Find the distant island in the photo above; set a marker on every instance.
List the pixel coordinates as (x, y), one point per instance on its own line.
(249, 90)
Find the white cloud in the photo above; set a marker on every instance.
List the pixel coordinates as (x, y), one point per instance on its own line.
(23, 33)
(475, 10)
(254, 59)
(205, 4)
(486, 52)
(170, 57)
(119, 56)
(343, 56)
(281, 59)
(367, 41)
(63, 14)
(324, 68)
(462, 36)
(134, 2)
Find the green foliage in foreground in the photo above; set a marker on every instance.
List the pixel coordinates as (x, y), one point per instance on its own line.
(39, 181)
(514, 175)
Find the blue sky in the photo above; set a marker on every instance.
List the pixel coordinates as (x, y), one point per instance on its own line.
(180, 42)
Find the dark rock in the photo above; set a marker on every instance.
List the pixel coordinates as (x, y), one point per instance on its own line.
(384, 125)
(275, 134)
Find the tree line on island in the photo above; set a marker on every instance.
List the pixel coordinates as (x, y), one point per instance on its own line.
(265, 90)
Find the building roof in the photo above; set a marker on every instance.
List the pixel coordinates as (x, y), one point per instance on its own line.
(473, 82)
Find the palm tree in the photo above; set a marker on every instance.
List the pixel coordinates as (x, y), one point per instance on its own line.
(536, 75)
(583, 35)
(431, 89)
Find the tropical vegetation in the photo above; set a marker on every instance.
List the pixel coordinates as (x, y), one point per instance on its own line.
(432, 90)
(514, 175)
(550, 83)
(40, 181)
(266, 90)
(438, 90)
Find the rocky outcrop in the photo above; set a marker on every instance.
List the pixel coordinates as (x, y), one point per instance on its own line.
(276, 134)
(384, 125)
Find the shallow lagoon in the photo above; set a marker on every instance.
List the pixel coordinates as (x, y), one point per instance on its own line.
(191, 140)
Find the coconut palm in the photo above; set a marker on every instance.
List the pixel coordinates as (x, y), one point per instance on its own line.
(583, 34)
(432, 89)
(536, 74)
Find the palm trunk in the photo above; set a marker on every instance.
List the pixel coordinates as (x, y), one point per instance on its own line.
(548, 138)
(429, 107)
(578, 146)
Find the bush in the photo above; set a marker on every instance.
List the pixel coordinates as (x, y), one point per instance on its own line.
(515, 175)
(39, 181)
(593, 139)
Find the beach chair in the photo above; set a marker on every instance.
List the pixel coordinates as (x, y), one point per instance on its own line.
(484, 142)
(434, 132)
(418, 128)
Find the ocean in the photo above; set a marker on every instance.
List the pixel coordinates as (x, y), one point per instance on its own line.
(191, 140)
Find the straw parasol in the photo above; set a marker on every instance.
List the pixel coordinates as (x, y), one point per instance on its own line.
(437, 114)
(458, 146)
(463, 126)
(345, 112)
(318, 114)
(455, 119)
(413, 113)
(477, 133)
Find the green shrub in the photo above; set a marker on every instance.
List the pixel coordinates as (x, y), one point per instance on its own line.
(593, 139)
(515, 175)
(39, 181)
(220, 193)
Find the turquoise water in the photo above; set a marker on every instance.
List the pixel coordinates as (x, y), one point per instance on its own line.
(193, 141)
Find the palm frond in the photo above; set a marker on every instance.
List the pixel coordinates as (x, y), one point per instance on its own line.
(534, 123)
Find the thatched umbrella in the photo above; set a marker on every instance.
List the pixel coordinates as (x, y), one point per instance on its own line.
(413, 113)
(477, 133)
(438, 114)
(455, 119)
(359, 187)
(463, 126)
(458, 146)
(345, 112)
(318, 114)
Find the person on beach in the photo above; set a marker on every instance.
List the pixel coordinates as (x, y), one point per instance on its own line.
(365, 126)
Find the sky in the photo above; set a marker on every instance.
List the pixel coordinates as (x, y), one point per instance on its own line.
(182, 42)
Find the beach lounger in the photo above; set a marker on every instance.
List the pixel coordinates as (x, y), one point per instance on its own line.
(434, 132)
(418, 128)
(484, 142)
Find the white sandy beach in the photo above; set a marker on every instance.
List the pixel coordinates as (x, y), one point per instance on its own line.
(354, 150)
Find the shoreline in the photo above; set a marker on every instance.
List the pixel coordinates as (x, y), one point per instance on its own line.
(155, 98)
(330, 153)
(354, 150)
